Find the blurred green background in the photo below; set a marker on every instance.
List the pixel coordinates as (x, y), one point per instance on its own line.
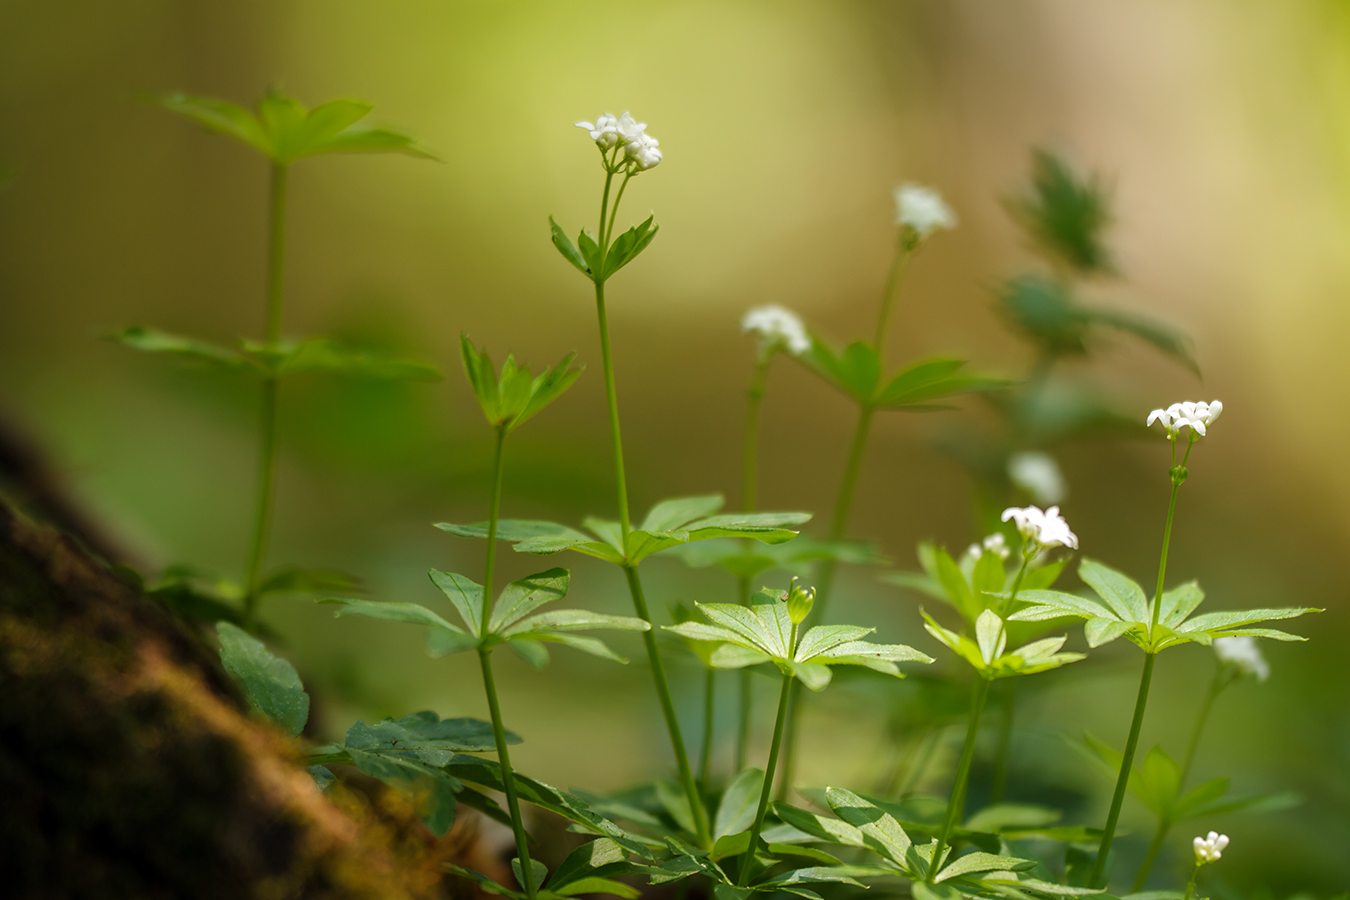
(1224, 129)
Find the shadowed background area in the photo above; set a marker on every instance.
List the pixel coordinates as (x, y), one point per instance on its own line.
(1222, 130)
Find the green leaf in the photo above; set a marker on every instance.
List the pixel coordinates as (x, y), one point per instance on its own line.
(593, 646)
(562, 620)
(538, 870)
(308, 581)
(1123, 595)
(1066, 215)
(442, 639)
(955, 585)
(220, 117)
(1217, 622)
(431, 787)
(627, 246)
(672, 514)
(151, 340)
(832, 830)
(325, 355)
(856, 371)
(590, 250)
(322, 777)
(736, 811)
(426, 736)
(676, 804)
(921, 890)
(586, 860)
(514, 530)
(879, 829)
(567, 248)
(270, 683)
(982, 862)
(1198, 797)
(520, 598)
(465, 594)
(1159, 782)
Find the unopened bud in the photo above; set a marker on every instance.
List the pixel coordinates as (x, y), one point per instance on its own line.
(799, 602)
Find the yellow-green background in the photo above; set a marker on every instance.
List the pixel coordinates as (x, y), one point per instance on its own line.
(1223, 127)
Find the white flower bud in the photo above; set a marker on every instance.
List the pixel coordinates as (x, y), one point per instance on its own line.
(642, 150)
(922, 209)
(1043, 529)
(1209, 848)
(1243, 654)
(777, 329)
(1187, 414)
(1038, 474)
(604, 131)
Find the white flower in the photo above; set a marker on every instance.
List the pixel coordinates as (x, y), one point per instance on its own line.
(777, 329)
(629, 128)
(1209, 848)
(995, 543)
(922, 209)
(642, 149)
(1038, 474)
(604, 131)
(1043, 529)
(1188, 414)
(1244, 655)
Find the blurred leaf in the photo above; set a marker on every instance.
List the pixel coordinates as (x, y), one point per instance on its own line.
(324, 355)
(270, 683)
(1065, 215)
(322, 777)
(151, 340)
(736, 810)
(308, 581)
(425, 736)
(284, 131)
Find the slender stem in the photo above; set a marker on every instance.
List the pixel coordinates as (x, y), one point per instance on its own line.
(621, 484)
(700, 815)
(750, 454)
(746, 698)
(748, 860)
(709, 720)
(956, 804)
(843, 504)
(898, 267)
(1190, 885)
(1123, 780)
(1162, 563)
(614, 213)
(916, 771)
(267, 455)
(494, 510)
(508, 775)
(276, 244)
(749, 499)
(1165, 823)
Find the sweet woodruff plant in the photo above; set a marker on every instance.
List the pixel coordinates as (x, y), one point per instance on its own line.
(741, 829)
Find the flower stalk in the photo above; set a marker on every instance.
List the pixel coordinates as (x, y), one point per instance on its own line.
(754, 396)
(265, 498)
(957, 801)
(784, 695)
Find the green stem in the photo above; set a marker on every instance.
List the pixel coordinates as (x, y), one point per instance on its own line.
(709, 720)
(611, 396)
(748, 860)
(956, 803)
(1162, 563)
(494, 510)
(750, 454)
(267, 456)
(508, 775)
(700, 815)
(915, 772)
(1190, 885)
(843, 504)
(1123, 780)
(614, 213)
(1165, 823)
(898, 267)
(746, 698)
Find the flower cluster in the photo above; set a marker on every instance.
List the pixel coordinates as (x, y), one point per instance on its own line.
(609, 132)
(1195, 416)
(1042, 529)
(1038, 474)
(1243, 654)
(1209, 848)
(922, 209)
(995, 543)
(777, 329)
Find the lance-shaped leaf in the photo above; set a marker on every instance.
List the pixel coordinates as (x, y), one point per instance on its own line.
(510, 620)
(514, 396)
(987, 652)
(763, 632)
(284, 131)
(152, 340)
(1123, 609)
(670, 523)
(567, 248)
(628, 245)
